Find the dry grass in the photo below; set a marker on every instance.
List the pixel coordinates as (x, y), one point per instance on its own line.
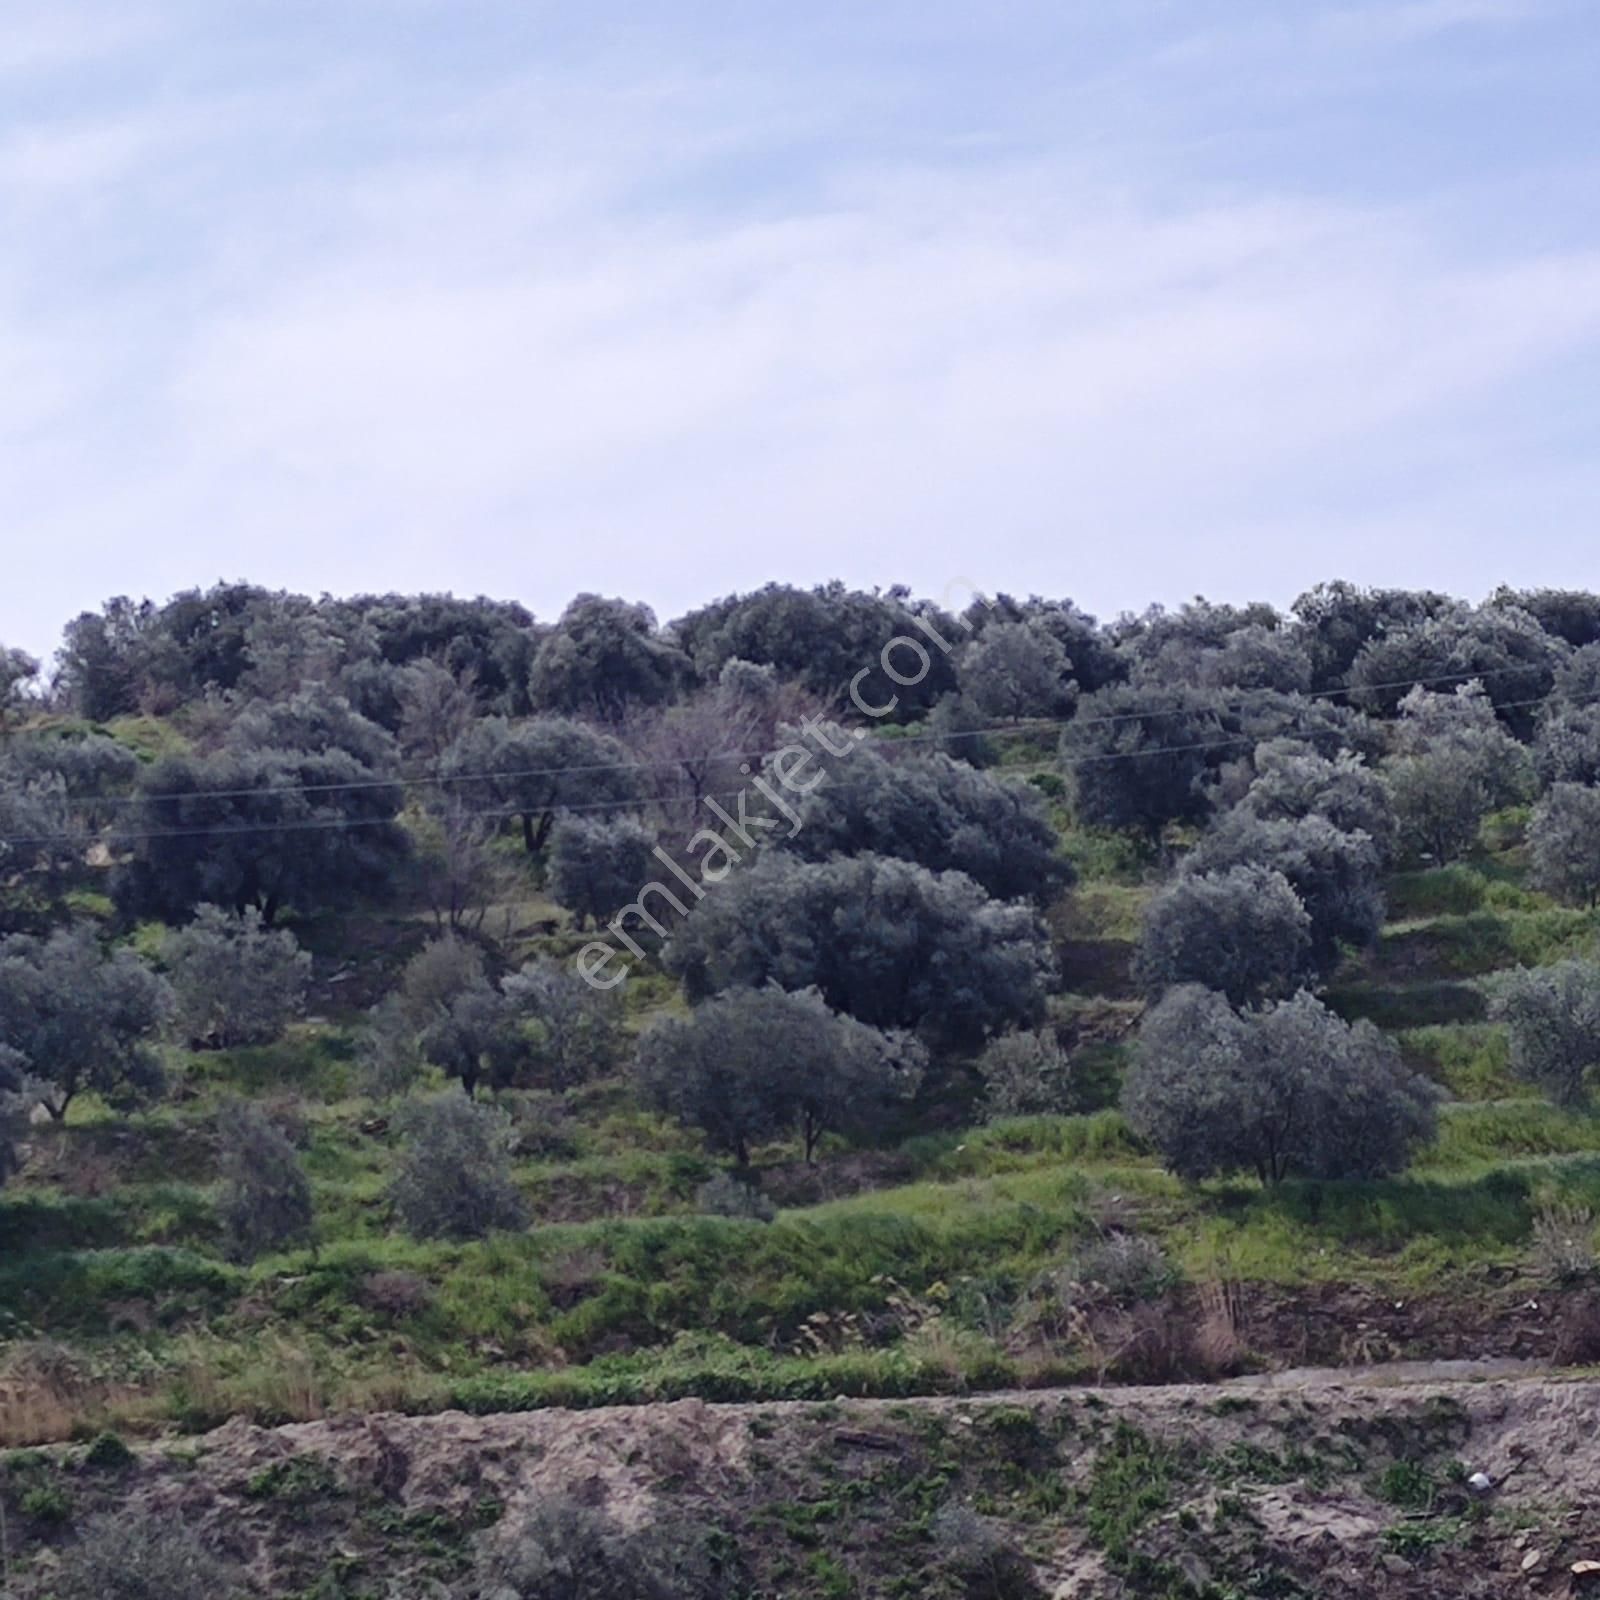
(1217, 1345)
(47, 1395)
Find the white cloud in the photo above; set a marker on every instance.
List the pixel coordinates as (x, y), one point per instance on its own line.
(547, 334)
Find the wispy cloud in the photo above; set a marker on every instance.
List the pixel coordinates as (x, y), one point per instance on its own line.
(664, 323)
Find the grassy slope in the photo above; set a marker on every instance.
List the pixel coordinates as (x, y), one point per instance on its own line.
(888, 1272)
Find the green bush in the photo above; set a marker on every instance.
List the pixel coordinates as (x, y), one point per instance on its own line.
(128, 1557)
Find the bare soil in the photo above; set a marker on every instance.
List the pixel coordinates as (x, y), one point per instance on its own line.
(1325, 1484)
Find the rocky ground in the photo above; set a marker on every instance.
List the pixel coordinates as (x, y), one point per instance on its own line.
(1304, 1484)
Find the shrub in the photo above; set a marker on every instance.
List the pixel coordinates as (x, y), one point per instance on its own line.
(562, 1549)
(235, 981)
(1563, 1242)
(108, 1453)
(723, 1195)
(1243, 933)
(125, 1556)
(1126, 1267)
(1024, 1075)
(757, 1062)
(982, 1557)
(454, 1180)
(571, 1032)
(1577, 1341)
(1564, 842)
(387, 1052)
(397, 1294)
(597, 865)
(266, 1196)
(436, 975)
(1553, 1015)
(1287, 1089)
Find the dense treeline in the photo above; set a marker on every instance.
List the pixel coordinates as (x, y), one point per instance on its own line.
(855, 800)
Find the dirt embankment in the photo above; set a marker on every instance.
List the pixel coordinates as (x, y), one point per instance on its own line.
(1302, 1485)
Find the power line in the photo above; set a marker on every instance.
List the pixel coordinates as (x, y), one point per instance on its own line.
(502, 775)
(347, 824)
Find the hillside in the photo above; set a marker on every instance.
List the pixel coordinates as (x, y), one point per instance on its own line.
(987, 1247)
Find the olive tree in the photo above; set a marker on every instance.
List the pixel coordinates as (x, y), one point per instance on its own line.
(603, 656)
(1567, 746)
(1287, 1090)
(17, 671)
(760, 1062)
(1243, 932)
(1553, 1017)
(1502, 648)
(436, 974)
(454, 1179)
(1026, 1074)
(234, 981)
(889, 943)
(77, 1019)
(1453, 766)
(19, 1094)
(476, 1037)
(1335, 874)
(1014, 670)
(1143, 756)
(1293, 782)
(571, 1032)
(598, 865)
(39, 847)
(1564, 839)
(265, 1202)
(533, 770)
(936, 811)
(262, 828)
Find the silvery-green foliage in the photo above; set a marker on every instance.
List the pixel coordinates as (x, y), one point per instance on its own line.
(1243, 932)
(1014, 670)
(1287, 1090)
(234, 981)
(265, 1202)
(1567, 746)
(1564, 841)
(454, 1178)
(572, 1032)
(1553, 1016)
(756, 1063)
(889, 943)
(79, 1019)
(1025, 1074)
(932, 809)
(562, 1549)
(1293, 781)
(1335, 874)
(1453, 765)
(135, 1556)
(598, 864)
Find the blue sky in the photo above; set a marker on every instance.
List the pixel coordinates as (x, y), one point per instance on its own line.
(1123, 300)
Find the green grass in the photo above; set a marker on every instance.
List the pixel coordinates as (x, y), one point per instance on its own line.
(1471, 1060)
(620, 1291)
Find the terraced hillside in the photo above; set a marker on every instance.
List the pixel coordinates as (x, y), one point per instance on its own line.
(878, 1123)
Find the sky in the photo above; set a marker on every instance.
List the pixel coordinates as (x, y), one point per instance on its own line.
(1126, 300)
